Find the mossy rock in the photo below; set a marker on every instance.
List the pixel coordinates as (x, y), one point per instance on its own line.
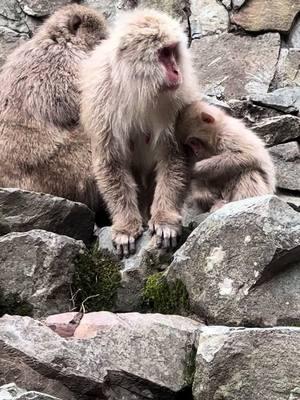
(165, 297)
(96, 281)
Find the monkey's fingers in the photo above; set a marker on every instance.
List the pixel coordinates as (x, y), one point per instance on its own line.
(124, 244)
(166, 235)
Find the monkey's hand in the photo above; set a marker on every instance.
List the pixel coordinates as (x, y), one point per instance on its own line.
(124, 237)
(167, 229)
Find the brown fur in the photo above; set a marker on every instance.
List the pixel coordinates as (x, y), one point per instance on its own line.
(124, 102)
(229, 161)
(42, 145)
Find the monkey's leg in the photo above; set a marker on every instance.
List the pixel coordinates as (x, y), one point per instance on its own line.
(170, 191)
(204, 196)
(119, 190)
(249, 184)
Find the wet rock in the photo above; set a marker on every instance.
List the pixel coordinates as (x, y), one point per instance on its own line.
(13, 392)
(207, 17)
(242, 257)
(135, 354)
(41, 8)
(247, 364)
(36, 270)
(287, 161)
(279, 129)
(285, 99)
(248, 72)
(263, 15)
(135, 269)
(23, 210)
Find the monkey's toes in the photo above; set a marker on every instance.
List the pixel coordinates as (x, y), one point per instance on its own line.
(166, 235)
(124, 244)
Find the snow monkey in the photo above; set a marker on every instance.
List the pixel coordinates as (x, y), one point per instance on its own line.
(133, 86)
(229, 161)
(42, 145)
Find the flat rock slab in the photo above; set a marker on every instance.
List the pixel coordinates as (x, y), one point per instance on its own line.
(13, 392)
(24, 210)
(36, 270)
(285, 99)
(287, 161)
(240, 259)
(248, 364)
(135, 352)
(265, 15)
(279, 129)
(231, 66)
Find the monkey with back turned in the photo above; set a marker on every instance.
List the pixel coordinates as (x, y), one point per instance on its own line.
(43, 147)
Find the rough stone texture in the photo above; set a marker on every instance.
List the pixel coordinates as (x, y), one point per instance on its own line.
(266, 15)
(41, 8)
(285, 99)
(294, 36)
(242, 257)
(38, 266)
(177, 8)
(249, 112)
(9, 40)
(231, 66)
(238, 3)
(136, 268)
(192, 217)
(13, 392)
(64, 324)
(288, 73)
(135, 354)
(287, 161)
(23, 210)
(207, 17)
(227, 4)
(248, 364)
(278, 130)
(291, 199)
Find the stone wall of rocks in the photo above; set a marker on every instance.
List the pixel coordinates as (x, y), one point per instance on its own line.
(219, 319)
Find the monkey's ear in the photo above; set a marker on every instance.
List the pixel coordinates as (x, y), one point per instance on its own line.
(208, 118)
(75, 23)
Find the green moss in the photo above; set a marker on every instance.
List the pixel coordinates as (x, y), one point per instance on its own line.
(13, 305)
(190, 366)
(96, 281)
(165, 297)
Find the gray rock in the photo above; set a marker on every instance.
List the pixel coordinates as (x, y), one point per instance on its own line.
(249, 112)
(13, 392)
(12, 17)
(36, 269)
(279, 129)
(134, 352)
(242, 257)
(41, 8)
(294, 37)
(23, 210)
(136, 269)
(263, 15)
(179, 9)
(248, 364)
(292, 199)
(108, 7)
(236, 4)
(285, 99)
(287, 73)
(227, 4)
(192, 216)
(248, 72)
(207, 17)
(287, 161)
(9, 40)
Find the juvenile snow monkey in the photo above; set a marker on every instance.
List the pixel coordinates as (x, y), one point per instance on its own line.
(42, 146)
(134, 84)
(229, 161)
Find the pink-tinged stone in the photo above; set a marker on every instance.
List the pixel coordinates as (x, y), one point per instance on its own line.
(64, 324)
(94, 323)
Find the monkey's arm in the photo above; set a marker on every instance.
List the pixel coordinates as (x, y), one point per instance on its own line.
(171, 186)
(119, 190)
(225, 165)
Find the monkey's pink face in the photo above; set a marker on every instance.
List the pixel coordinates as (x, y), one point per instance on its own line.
(168, 57)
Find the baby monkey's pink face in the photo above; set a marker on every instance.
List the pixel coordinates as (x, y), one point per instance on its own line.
(169, 58)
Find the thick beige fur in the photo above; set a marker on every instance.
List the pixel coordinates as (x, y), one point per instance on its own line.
(123, 104)
(233, 164)
(42, 145)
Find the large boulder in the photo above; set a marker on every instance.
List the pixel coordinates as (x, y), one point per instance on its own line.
(248, 364)
(133, 354)
(36, 270)
(22, 211)
(231, 66)
(241, 265)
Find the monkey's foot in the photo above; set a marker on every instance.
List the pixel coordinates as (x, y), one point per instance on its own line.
(124, 241)
(166, 234)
